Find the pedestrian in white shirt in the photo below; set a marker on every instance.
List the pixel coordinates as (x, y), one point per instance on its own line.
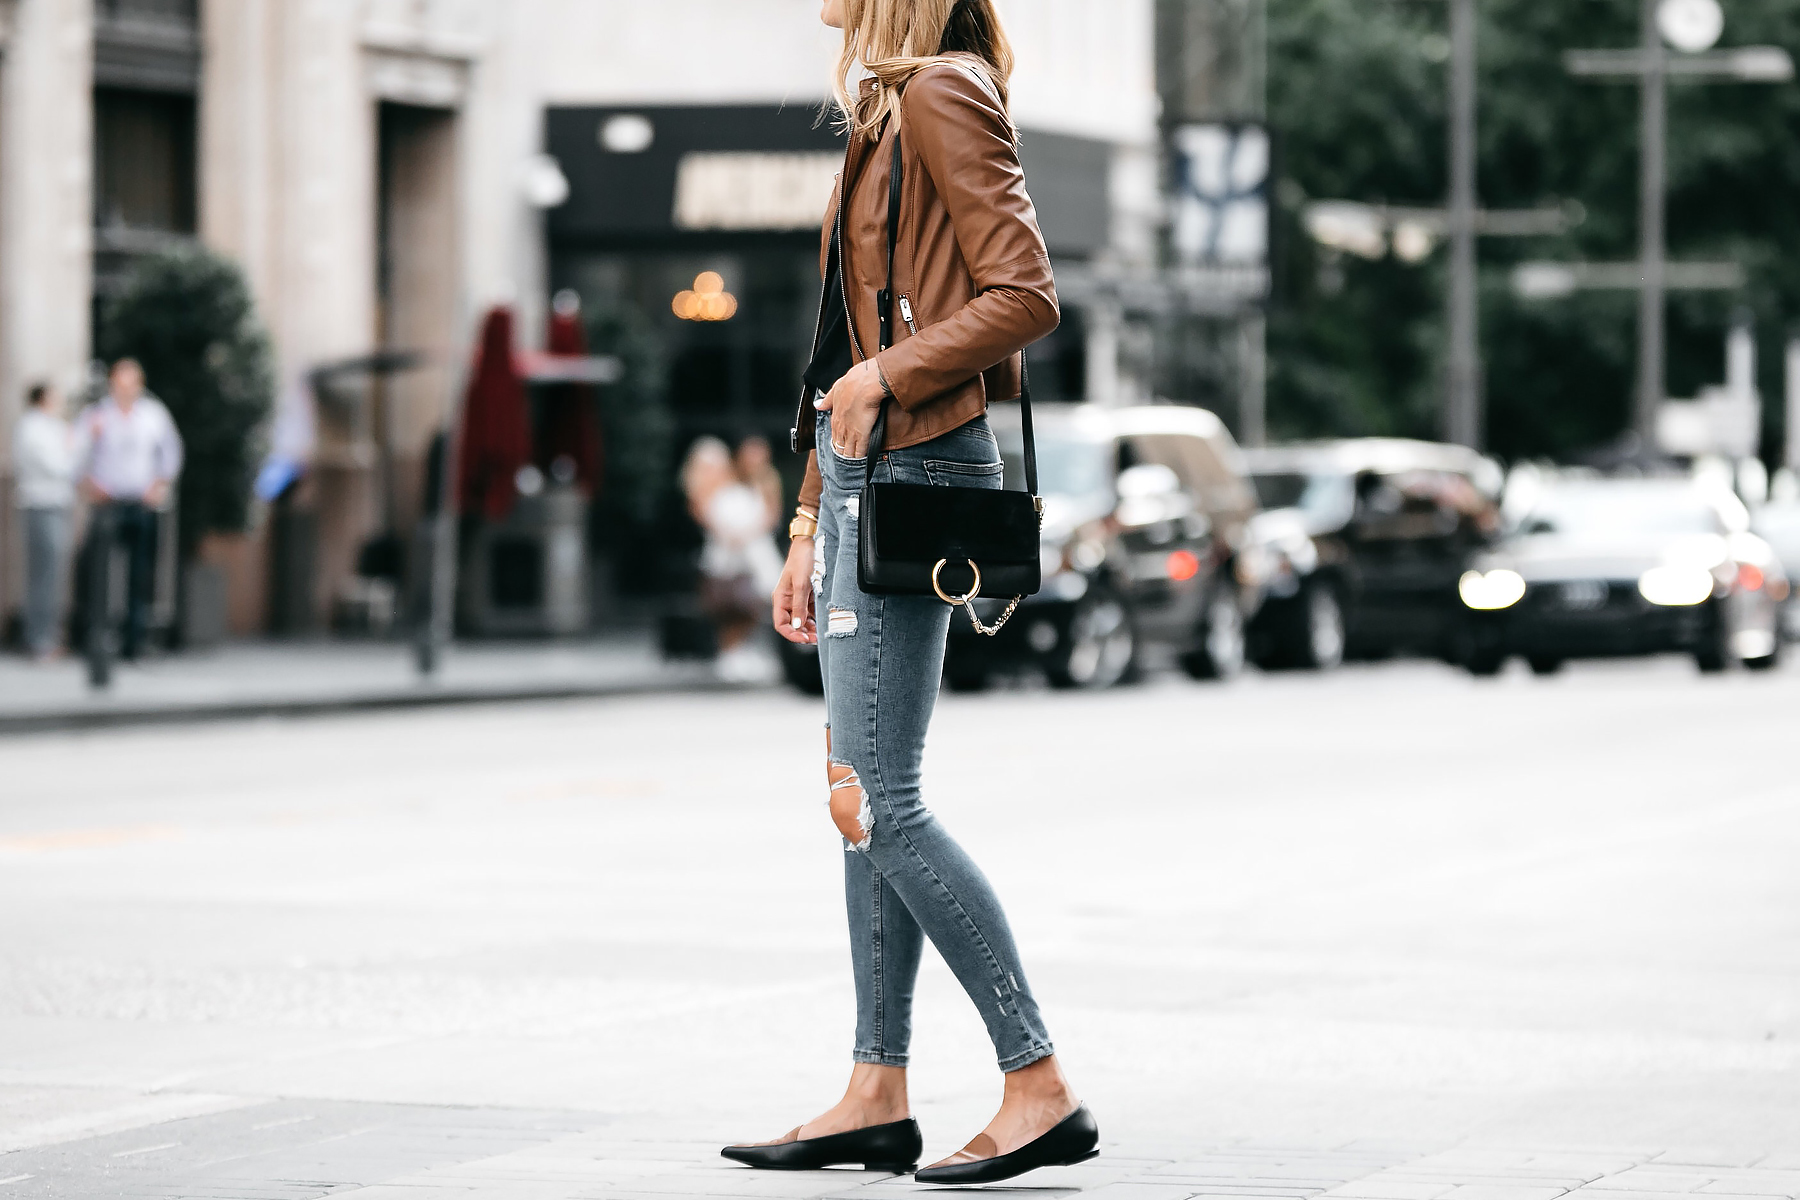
(131, 455)
(43, 448)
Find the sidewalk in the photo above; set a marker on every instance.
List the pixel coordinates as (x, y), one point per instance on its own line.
(300, 1149)
(1377, 936)
(271, 679)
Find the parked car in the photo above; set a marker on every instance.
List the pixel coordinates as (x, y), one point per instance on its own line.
(1367, 540)
(1145, 543)
(1779, 525)
(1604, 567)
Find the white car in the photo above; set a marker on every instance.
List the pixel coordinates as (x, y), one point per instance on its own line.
(1605, 567)
(1779, 525)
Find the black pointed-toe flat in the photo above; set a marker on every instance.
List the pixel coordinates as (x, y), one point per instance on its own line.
(1072, 1140)
(892, 1147)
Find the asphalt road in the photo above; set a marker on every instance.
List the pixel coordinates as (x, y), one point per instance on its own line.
(1393, 908)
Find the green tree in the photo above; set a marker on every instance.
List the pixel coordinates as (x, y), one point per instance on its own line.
(1357, 99)
(187, 315)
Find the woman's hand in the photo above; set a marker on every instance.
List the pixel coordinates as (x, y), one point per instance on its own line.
(794, 595)
(853, 402)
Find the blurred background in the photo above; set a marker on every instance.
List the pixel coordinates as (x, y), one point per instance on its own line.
(1392, 784)
(441, 294)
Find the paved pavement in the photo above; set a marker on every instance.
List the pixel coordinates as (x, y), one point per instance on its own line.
(295, 678)
(1389, 935)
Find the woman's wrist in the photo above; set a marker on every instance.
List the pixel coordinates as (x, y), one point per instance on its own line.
(804, 525)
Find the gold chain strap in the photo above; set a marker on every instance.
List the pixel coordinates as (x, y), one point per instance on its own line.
(968, 601)
(969, 607)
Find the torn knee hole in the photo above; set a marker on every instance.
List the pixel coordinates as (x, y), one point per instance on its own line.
(849, 805)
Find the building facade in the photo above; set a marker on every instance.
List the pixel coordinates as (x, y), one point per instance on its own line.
(378, 168)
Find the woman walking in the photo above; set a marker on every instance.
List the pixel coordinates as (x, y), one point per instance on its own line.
(970, 287)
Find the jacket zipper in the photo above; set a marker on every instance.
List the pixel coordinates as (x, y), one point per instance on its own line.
(906, 313)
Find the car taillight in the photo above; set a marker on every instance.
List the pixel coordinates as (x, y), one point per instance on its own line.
(1751, 576)
(1183, 565)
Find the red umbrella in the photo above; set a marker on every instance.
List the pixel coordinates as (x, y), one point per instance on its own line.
(496, 426)
(567, 424)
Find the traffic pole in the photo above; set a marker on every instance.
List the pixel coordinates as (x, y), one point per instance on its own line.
(1464, 421)
(1653, 229)
(1791, 459)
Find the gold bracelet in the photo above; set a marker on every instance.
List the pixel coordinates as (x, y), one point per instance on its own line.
(803, 525)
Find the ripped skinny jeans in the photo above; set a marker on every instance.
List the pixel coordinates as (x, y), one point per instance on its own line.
(906, 880)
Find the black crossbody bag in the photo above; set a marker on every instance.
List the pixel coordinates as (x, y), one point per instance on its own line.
(955, 542)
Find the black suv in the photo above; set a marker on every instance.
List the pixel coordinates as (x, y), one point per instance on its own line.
(1368, 539)
(1146, 515)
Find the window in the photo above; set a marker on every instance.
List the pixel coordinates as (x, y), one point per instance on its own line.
(143, 162)
(177, 12)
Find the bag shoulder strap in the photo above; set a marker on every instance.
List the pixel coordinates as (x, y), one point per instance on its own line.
(1031, 476)
(884, 301)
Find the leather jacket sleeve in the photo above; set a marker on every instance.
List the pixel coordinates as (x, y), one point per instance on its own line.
(813, 486)
(959, 130)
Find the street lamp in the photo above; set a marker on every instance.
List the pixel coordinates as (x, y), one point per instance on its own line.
(542, 182)
(1692, 28)
(1365, 230)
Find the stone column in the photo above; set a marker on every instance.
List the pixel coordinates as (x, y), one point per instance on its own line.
(46, 219)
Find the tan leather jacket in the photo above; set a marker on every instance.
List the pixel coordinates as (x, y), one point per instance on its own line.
(971, 267)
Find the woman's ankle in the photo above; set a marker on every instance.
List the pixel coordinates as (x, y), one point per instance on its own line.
(879, 1108)
(852, 1113)
(1044, 1075)
(879, 1091)
(880, 1114)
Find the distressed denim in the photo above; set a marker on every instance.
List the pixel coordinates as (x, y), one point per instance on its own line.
(882, 657)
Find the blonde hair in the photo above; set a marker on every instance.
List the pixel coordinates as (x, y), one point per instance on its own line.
(896, 39)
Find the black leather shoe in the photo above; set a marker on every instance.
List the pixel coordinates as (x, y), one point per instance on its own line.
(892, 1147)
(1073, 1139)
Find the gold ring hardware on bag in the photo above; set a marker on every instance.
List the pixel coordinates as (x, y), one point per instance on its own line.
(939, 588)
(968, 601)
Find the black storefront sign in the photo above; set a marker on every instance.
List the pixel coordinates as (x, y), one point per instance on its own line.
(664, 198)
(629, 196)
(636, 194)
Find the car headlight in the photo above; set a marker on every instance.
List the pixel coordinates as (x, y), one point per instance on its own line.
(1677, 586)
(1492, 590)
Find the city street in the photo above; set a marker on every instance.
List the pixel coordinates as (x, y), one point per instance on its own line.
(1391, 934)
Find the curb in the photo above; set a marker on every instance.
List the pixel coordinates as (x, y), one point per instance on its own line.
(78, 720)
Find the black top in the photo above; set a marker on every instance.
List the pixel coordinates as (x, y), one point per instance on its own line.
(831, 361)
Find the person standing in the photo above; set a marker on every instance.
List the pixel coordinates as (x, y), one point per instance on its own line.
(131, 455)
(44, 464)
(970, 286)
(756, 467)
(739, 564)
